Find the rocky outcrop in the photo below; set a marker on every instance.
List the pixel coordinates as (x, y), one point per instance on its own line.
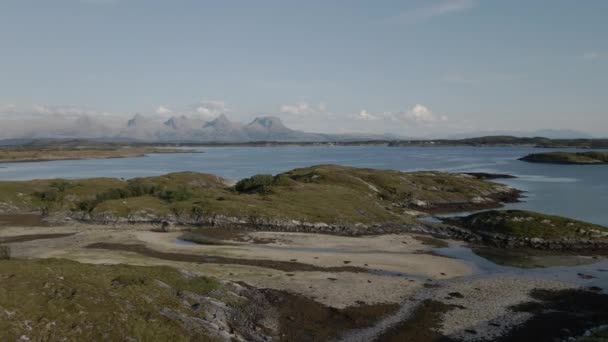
(227, 322)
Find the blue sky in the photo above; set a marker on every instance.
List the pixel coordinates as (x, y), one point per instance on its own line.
(431, 67)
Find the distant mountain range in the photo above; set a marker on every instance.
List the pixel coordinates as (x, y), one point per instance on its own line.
(222, 129)
(177, 129)
(184, 129)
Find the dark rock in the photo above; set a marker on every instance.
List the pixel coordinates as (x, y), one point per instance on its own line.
(455, 295)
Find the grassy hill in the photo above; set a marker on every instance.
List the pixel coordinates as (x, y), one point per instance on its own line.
(323, 193)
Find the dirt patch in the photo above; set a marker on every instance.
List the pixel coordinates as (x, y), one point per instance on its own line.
(421, 326)
(303, 319)
(22, 220)
(286, 266)
(559, 315)
(33, 237)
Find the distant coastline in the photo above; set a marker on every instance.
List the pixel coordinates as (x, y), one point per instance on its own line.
(487, 141)
(24, 155)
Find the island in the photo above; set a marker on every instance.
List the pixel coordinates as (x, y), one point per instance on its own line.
(577, 158)
(322, 198)
(50, 153)
(520, 228)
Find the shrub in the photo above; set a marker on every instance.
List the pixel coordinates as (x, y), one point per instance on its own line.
(177, 195)
(60, 185)
(47, 196)
(255, 184)
(197, 213)
(5, 252)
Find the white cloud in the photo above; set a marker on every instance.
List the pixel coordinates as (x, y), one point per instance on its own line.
(204, 110)
(419, 115)
(303, 108)
(422, 115)
(365, 115)
(210, 109)
(55, 120)
(434, 9)
(162, 110)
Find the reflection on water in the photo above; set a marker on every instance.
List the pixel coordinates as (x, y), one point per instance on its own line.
(526, 258)
(588, 274)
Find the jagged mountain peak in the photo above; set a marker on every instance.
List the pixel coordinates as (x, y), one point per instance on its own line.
(176, 122)
(171, 123)
(221, 122)
(268, 122)
(137, 118)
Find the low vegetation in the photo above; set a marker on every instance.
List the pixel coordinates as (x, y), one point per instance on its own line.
(52, 300)
(568, 158)
(526, 224)
(256, 184)
(324, 193)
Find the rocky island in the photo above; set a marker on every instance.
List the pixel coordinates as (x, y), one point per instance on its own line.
(579, 158)
(519, 228)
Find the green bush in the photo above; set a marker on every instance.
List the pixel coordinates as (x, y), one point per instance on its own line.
(5, 252)
(135, 189)
(54, 193)
(177, 195)
(47, 196)
(197, 212)
(256, 184)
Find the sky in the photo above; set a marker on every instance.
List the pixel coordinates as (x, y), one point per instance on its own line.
(410, 68)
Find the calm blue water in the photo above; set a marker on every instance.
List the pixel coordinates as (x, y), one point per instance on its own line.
(569, 190)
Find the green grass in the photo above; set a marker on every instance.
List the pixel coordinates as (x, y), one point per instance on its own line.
(526, 224)
(323, 193)
(61, 299)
